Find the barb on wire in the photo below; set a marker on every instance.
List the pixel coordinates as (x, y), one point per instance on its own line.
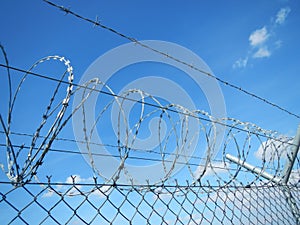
(183, 142)
(131, 39)
(180, 137)
(79, 86)
(242, 138)
(33, 161)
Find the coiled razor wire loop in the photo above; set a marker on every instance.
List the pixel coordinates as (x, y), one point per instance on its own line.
(15, 172)
(36, 152)
(241, 137)
(236, 127)
(217, 191)
(127, 135)
(242, 144)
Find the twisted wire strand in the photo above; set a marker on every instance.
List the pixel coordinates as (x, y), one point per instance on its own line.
(64, 139)
(259, 131)
(29, 169)
(216, 179)
(54, 129)
(9, 152)
(179, 134)
(131, 39)
(243, 149)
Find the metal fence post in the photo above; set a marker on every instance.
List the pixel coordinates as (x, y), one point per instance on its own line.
(291, 157)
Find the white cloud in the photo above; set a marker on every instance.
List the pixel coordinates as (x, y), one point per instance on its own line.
(240, 205)
(259, 36)
(273, 150)
(76, 179)
(48, 194)
(262, 40)
(103, 191)
(277, 150)
(211, 169)
(282, 15)
(159, 193)
(295, 177)
(240, 63)
(75, 188)
(278, 44)
(262, 52)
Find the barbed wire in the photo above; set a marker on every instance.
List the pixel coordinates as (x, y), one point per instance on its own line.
(131, 39)
(116, 156)
(143, 150)
(218, 192)
(96, 144)
(184, 186)
(15, 172)
(154, 105)
(77, 152)
(179, 134)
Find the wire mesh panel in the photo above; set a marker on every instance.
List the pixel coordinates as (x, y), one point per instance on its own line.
(124, 204)
(199, 169)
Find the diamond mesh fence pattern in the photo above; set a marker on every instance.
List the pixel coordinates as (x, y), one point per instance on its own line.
(226, 172)
(124, 204)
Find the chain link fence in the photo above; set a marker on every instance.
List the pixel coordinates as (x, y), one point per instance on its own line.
(74, 203)
(251, 176)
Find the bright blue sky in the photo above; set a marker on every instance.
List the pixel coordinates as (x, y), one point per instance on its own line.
(218, 32)
(252, 44)
(221, 33)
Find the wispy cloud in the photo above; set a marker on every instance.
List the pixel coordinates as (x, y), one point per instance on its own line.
(240, 63)
(258, 37)
(262, 52)
(261, 41)
(282, 15)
